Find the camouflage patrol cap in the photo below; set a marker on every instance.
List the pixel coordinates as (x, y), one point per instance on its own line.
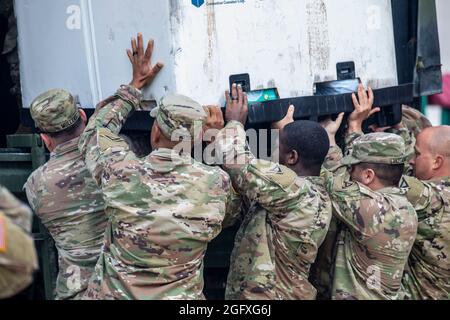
(178, 113)
(414, 120)
(54, 111)
(383, 148)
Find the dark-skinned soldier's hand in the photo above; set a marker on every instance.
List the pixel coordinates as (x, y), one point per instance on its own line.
(237, 105)
(143, 70)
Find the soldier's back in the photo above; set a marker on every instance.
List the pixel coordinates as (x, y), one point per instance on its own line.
(275, 248)
(70, 205)
(164, 210)
(428, 272)
(371, 256)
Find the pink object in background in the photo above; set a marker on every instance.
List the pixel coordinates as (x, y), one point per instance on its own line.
(442, 99)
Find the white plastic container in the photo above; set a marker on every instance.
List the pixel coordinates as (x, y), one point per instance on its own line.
(290, 44)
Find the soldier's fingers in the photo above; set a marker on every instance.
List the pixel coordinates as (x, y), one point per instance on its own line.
(339, 119)
(208, 111)
(228, 97)
(221, 119)
(290, 113)
(130, 56)
(355, 101)
(218, 115)
(157, 68)
(373, 111)
(212, 114)
(245, 102)
(234, 92)
(149, 51)
(134, 45)
(362, 96)
(240, 95)
(140, 48)
(371, 96)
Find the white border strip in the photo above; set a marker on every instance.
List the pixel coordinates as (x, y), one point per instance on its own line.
(91, 51)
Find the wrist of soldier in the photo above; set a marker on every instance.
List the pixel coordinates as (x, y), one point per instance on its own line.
(332, 139)
(137, 84)
(354, 128)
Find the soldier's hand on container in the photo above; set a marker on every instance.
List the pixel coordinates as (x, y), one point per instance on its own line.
(143, 70)
(289, 118)
(237, 105)
(375, 128)
(332, 127)
(214, 122)
(363, 109)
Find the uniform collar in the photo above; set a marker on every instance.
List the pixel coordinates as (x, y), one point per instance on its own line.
(165, 160)
(66, 147)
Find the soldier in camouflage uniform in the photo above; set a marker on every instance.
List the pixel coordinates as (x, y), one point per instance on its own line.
(428, 273)
(163, 209)
(291, 210)
(380, 223)
(18, 259)
(63, 194)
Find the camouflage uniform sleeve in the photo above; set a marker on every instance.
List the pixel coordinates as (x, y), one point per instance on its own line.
(270, 184)
(410, 143)
(421, 195)
(100, 142)
(333, 158)
(233, 208)
(16, 211)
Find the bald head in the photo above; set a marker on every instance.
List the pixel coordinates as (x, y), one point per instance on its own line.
(438, 140)
(432, 159)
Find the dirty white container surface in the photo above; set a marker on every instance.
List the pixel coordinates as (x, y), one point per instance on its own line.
(80, 45)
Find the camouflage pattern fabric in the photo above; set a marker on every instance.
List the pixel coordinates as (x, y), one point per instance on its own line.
(70, 205)
(18, 258)
(414, 120)
(380, 226)
(428, 273)
(409, 137)
(252, 262)
(322, 271)
(54, 110)
(19, 213)
(276, 246)
(170, 119)
(163, 210)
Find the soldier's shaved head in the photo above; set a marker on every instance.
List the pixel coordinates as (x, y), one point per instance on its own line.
(438, 140)
(432, 159)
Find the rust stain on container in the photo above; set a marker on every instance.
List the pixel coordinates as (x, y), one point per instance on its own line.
(318, 37)
(212, 38)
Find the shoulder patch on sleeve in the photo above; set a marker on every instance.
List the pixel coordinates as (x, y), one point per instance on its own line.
(275, 172)
(3, 245)
(416, 190)
(107, 140)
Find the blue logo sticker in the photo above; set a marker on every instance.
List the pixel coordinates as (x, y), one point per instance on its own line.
(198, 3)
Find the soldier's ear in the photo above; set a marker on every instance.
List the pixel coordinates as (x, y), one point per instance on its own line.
(83, 116)
(292, 158)
(47, 141)
(155, 136)
(369, 176)
(438, 162)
